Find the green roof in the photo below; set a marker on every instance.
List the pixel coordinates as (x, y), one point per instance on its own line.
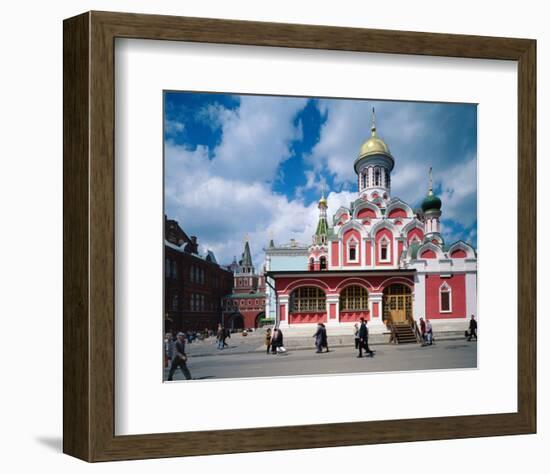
(247, 258)
(414, 250)
(431, 203)
(322, 227)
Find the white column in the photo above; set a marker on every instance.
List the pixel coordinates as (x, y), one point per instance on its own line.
(376, 321)
(371, 176)
(471, 295)
(283, 301)
(419, 297)
(335, 300)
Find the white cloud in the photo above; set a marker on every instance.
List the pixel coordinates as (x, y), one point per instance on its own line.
(417, 135)
(223, 193)
(256, 137)
(173, 127)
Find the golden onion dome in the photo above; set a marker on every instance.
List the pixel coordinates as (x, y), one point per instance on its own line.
(374, 145)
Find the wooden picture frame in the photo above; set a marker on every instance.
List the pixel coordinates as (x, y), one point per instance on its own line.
(88, 230)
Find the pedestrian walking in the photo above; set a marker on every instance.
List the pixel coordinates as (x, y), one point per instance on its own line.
(274, 341)
(364, 339)
(473, 328)
(356, 334)
(318, 337)
(324, 337)
(423, 330)
(220, 336)
(226, 334)
(279, 346)
(168, 348)
(268, 340)
(429, 333)
(180, 358)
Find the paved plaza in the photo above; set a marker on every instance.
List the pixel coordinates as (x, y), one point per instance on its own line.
(247, 359)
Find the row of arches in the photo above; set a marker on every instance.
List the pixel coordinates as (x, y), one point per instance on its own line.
(376, 208)
(397, 300)
(374, 176)
(321, 266)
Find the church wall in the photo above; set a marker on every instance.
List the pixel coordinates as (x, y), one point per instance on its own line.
(458, 296)
(416, 232)
(366, 213)
(335, 254)
(307, 318)
(397, 213)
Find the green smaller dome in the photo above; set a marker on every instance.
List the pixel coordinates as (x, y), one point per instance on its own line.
(431, 202)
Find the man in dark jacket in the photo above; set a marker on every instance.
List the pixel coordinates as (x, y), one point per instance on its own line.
(318, 338)
(179, 359)
(473, 328)
(364, 339)
(324, 337)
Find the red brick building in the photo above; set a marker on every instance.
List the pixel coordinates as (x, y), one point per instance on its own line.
(245, 306)
(194, 284)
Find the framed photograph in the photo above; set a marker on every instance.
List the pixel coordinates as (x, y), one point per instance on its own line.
(285, 236)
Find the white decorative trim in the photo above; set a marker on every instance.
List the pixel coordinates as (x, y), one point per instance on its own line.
(397, 203)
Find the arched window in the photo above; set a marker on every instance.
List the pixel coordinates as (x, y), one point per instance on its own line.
(167, 268)
(307, 298)
(311, 264)
(354, 298)
(323, 263)
(384, 248)
(353, 255)
(377, 177)
(445, 298)
(174, 270)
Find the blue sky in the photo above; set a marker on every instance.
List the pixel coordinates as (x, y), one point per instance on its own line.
(239, 165)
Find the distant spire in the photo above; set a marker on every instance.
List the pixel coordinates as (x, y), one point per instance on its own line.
(373, 123)
(247, 257)
(271, 243)
(430, 192)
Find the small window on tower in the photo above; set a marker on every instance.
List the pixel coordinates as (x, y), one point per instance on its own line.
(323, 263)
(352, 252)
(384, 250)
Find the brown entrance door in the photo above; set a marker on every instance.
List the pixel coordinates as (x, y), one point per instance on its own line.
(397, 303)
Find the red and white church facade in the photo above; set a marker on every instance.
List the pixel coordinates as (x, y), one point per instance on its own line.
(379, 259)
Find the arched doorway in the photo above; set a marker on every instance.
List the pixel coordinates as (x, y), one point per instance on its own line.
(236, 321)
(397, 303)
(259, 316)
